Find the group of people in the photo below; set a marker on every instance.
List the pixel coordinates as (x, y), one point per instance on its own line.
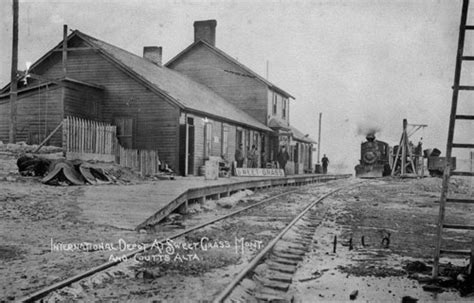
(282, 158)
(252, 157)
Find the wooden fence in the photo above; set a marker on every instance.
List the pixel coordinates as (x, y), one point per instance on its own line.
(89, 140)
(146, 162)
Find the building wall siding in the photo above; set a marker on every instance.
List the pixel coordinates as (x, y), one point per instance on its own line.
(199, 138)
(156, 121)
(226, 79)
(38, 113)
(4, 119)
(83, 102)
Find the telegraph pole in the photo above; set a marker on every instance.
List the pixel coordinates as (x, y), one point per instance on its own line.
(319, 135)
(13, 84)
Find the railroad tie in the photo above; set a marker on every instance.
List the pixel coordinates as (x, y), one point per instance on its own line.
(284, 261)
(306, 232)
(299, 244)
(279, 276)
(293, 250)
(284, 268)
(313, 225)
(277, 285)
(271, 295)
(288, 255)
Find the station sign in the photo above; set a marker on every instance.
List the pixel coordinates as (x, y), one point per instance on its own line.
(259, 172)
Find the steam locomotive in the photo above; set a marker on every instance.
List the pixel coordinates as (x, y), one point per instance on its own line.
(374, 159)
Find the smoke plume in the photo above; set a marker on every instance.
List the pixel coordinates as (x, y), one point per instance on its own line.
(367, 128)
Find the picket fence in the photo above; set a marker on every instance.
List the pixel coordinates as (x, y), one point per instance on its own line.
(146, 162)
(89, 140)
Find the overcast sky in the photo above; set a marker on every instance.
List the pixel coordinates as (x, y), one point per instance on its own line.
(362, 63)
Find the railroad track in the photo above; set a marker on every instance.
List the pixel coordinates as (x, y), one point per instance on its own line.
(305, 229)
(269, 275)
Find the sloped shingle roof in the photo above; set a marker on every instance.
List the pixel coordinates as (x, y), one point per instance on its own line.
(300, 136)
(181, 89)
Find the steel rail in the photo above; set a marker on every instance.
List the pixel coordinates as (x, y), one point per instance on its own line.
(43, 292)
(225, 293)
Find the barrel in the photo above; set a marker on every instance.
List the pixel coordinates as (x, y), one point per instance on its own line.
(202, 170)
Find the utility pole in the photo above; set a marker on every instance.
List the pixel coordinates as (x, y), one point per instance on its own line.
(319, 135)
(13, 84)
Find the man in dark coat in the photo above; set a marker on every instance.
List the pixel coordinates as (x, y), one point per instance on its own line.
(325, 162)
(239, 156)
(283, 157)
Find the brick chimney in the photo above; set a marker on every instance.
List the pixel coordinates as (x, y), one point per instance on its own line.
(153, 54)
(206, 31)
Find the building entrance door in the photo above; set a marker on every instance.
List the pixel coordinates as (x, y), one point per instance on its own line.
(190, 153)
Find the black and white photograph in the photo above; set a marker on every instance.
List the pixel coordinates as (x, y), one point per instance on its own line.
(236, 151)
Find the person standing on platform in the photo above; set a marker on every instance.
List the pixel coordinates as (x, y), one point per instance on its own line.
(239, 156)
(325, 162)
(253, 157)
(283, 157)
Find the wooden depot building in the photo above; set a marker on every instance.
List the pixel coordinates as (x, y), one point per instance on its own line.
(154, 107)
(203, 62)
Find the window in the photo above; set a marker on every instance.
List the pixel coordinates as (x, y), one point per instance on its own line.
(283, 113)
(247, 140)
(274, 105)
(239, 139)
(255, 139)
(225, 141)
(207, 139)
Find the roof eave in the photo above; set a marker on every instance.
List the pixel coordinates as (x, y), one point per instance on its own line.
(195, 111)
(27, 89)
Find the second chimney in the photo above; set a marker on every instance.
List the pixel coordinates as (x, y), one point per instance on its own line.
(206, 31)
(153, 54)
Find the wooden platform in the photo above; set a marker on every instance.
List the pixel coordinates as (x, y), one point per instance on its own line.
(132, 207)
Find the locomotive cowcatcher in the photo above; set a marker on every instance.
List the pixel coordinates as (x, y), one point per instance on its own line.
(374, 159)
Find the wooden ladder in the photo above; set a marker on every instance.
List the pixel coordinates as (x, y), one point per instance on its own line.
(449, 146)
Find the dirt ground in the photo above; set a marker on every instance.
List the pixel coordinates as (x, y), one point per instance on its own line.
(404, 211)
(33, 216)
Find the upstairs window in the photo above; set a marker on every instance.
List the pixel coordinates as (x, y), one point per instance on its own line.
(274, 104)
(283, 113)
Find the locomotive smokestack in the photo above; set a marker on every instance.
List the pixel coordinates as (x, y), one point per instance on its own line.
(370, 137)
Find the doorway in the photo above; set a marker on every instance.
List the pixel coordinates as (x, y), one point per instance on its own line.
(186, 150)
(124, 131)
(190, 145)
